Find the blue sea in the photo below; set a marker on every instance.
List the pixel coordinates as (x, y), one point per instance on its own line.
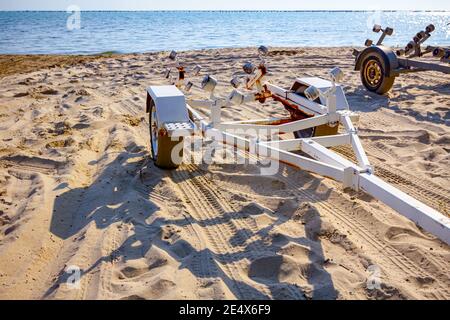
(126, 32)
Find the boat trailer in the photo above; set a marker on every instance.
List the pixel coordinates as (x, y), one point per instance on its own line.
(317, 107)
(379, 65)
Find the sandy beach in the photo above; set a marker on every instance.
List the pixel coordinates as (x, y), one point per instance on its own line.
(77, 188)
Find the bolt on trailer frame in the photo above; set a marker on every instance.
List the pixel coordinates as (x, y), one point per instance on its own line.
(324, 105)
(379, 65)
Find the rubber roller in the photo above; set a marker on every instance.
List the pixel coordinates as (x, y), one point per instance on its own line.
(389, 31)
(447, 55)
(400, 52)
(249, 68)
(438, 52)
(411, 45)
(263, 50)
(173, 55)
(430, 28)
(376, 28)
(420, 35)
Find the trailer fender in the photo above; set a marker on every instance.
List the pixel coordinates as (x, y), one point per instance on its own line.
(170, 104)
(388, 55)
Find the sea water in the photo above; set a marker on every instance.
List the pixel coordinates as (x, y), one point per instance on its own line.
(96, 32)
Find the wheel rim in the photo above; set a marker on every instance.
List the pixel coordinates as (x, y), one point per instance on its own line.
(154, 132)
(373, 73)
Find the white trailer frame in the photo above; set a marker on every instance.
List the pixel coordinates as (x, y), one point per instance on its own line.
(321, 160)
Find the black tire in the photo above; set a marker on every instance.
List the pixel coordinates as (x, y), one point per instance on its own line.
(373, 74)
(305, 133)
(162, 146)
(322, 130)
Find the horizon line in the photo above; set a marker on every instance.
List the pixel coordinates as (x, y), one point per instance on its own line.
(234, 10)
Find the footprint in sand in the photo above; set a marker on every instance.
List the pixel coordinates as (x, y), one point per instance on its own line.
(48, 91)
(21, 94)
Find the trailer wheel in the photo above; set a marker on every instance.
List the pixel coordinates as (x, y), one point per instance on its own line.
(373, 74)
(162, 146)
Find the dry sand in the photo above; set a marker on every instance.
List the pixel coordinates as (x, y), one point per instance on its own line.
(77, 189)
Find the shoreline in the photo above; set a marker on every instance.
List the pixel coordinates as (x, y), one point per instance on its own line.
(11, 64)
(120, 53)
(262, 10)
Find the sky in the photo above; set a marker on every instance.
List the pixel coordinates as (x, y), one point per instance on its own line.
(226, 4)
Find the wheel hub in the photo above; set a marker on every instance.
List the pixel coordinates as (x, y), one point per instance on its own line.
(373, 73)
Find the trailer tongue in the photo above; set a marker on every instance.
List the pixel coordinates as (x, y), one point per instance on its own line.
(316, 107)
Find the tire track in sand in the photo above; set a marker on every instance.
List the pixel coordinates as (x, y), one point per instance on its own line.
(422, 189)
(228, 236)
(202, 260)
(204, 209)
(388, 254)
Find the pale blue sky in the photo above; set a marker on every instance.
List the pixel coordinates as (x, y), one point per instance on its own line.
(226, 4)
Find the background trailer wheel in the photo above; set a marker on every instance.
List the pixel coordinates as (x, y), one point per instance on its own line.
(379, 65)
(373, 74)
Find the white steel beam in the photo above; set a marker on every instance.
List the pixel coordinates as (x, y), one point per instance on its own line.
(304, 104)
(296, 144)
(286, 145)
(424, 216)
(281, 128)
(333, 141)
(199, 103)
(347, 123)
(307, 164)
(267, 121)
(197, 118)
(357, 147)
(321, 153)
